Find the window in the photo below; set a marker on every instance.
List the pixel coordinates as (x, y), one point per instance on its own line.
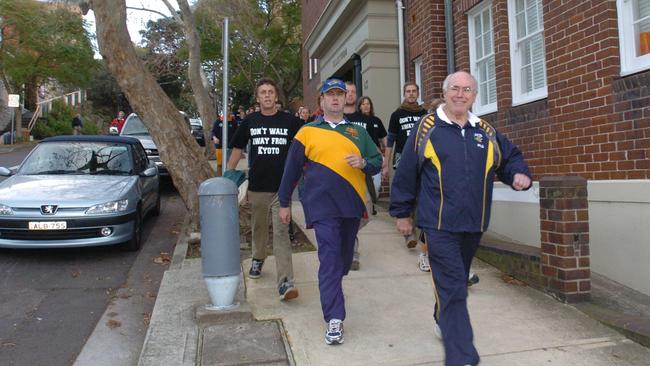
(417, 65)
(481, 57)
(634, 35)
(313, 67)
(527, 53)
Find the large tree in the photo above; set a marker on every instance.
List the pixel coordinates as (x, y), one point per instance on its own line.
(177, 148)
(41, 42)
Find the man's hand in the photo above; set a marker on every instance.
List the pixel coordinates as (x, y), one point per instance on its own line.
(355, 161)
(385, 170)
(285, 215)
(520, 182)
(215, 140)
(405, 226)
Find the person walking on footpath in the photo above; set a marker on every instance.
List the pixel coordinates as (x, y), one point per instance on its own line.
(77, 124)
(269, 133)
(400, 125)
(337, 155)
(118, 121)
(448, 166)
(366, 107)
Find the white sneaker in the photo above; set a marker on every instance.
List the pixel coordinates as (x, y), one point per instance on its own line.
(334, 333)
(423, 263)
(437, 331)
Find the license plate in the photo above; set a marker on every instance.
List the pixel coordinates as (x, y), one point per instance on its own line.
(47, 225)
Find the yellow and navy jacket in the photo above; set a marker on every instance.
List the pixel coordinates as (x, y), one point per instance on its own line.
(452, 174)
(332, 187)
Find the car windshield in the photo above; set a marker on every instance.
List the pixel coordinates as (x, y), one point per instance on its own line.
(134, 126)
(78, 158)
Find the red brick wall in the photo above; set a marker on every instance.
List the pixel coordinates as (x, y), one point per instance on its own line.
(593, 123)
(425, 37)
(311, 12)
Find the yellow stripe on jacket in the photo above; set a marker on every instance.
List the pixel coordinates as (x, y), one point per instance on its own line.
(329, 148)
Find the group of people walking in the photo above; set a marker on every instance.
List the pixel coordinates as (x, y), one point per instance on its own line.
(443, 165)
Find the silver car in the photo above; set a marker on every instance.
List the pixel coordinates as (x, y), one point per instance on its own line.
(74, 191)
(133, 127)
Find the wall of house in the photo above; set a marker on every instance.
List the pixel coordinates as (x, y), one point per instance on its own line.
(425, 38)
(311, 12)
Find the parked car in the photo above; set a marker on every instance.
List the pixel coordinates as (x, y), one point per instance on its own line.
(197, 131)
(75, 191)
(133, 127)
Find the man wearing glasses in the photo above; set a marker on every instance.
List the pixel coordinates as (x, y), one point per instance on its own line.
(448, 166)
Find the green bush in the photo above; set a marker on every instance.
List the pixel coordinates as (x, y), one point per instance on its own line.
(57, 122)
(90, 128)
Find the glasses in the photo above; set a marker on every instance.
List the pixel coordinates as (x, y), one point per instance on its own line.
(465, 90)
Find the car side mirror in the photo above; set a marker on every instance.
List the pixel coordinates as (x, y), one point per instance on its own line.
(4, 172)
(150, 172)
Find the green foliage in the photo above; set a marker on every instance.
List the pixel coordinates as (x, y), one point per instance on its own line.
(90, 128)
(58, 122)
(42, 42)
(265, 40)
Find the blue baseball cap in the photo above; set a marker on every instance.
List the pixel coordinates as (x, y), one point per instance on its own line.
(332, 83)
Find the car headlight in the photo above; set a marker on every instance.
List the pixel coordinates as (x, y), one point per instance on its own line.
(108, 207)
(5, 210)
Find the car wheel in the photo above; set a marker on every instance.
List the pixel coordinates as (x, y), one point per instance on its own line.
(136, 235)
(156, 209)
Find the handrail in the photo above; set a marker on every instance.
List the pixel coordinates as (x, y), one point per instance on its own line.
(37, 114)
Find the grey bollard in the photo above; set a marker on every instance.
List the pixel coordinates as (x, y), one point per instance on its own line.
(219, 212)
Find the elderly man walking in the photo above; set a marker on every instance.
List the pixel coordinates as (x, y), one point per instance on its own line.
(336, 156)
(448, 166)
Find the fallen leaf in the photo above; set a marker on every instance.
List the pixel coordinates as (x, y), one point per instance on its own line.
(163, 258)
(124, 296)
(146, 318)
(511, 280)
(8, 344)
(113, 324)
(75, 274)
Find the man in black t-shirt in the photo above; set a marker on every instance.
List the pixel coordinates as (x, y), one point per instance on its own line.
(401, 123)
(269, 133)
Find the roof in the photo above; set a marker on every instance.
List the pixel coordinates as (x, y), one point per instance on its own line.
(93, 138)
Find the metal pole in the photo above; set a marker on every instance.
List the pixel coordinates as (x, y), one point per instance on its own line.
(449, 36)
(400, 41)
(13, 121)
(224, 131)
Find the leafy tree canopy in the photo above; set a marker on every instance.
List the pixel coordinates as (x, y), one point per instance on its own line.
(41, 42)
(265, 40)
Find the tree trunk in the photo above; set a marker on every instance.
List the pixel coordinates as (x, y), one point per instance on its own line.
(198, 80)
(178, 150)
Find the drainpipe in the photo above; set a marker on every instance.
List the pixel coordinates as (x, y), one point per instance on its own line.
(449, 36)
(400, 41)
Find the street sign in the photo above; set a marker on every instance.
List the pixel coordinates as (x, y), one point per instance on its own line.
(14, 100)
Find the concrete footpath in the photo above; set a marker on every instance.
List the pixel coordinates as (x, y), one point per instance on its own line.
(389, 317)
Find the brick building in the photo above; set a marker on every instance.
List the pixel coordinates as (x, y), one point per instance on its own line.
(568, 82)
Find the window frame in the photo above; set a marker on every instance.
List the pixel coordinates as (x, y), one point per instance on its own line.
(519, 98)
(478, 10)
(630, 63)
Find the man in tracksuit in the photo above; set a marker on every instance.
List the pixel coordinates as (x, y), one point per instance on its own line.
(448, 165)
(336, 156)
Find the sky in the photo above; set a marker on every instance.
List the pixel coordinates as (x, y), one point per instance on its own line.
(136, 20)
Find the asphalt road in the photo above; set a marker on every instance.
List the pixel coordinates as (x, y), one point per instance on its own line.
(52, 300)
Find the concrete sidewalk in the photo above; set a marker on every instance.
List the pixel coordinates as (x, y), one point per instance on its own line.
(389, 318)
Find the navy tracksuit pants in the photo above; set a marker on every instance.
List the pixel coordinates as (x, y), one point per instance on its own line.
(335, 238)
(450, 257)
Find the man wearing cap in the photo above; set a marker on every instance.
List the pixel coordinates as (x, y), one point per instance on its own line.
(337, 155)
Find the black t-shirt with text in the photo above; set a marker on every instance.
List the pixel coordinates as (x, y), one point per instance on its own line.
(371, 124)
(269, 138)
(401, 123)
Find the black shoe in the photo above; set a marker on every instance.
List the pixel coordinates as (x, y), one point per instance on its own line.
(256, 268)
(473, 279)
(374, 212)
(287, 291)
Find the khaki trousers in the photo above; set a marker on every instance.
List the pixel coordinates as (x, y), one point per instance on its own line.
(263, 204)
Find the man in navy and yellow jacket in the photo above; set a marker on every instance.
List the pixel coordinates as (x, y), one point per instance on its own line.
(336, 156)
(448, 166)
